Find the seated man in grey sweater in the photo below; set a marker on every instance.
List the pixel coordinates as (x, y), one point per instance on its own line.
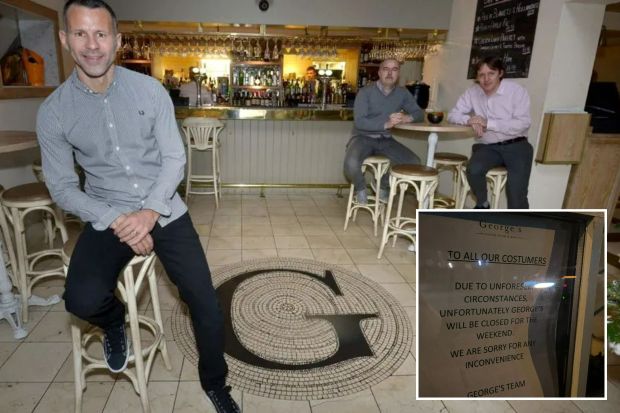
(380, 106)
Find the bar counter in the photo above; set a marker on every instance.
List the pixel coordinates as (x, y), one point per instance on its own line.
(264, 147)
(330, 113)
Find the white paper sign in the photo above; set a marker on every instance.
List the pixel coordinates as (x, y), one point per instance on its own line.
(488, 309)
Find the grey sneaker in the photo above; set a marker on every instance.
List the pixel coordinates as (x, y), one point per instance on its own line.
(115, 348)
(223, 401)
(362, 197)
(384, 195)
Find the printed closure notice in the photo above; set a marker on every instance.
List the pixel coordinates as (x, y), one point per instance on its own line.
(486, 303)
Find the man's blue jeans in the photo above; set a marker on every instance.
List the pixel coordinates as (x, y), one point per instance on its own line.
(99, 257)
(361, 147)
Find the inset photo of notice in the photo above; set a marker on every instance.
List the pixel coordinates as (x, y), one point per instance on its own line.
(510, 304)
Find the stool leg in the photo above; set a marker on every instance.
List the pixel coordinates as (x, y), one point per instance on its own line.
(132, 310)
(496, 191)
(215, 175)
(399, 210)
(502, 184)
(22, 258)
(349, 207)
(375, 215)
(386, 224)
(163, 347)
(455, 185)
(80, 385)
(219, 171)
(188, 178)
(49, 229)
(464, 188)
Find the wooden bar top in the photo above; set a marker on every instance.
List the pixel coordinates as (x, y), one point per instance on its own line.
(12, 140)
(257, 113)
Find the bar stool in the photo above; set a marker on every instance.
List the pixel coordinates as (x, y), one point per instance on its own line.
(10, 306)
(448, 161)
(139, 271)
(202, 134)
(496, 178)
(424, 180)
(18, 203)
(378, 166)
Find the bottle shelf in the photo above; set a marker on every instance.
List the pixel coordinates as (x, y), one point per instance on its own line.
(261, 87)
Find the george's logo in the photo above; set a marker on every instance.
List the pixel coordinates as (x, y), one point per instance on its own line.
(351, 340)
(506, 229)
(299, 329)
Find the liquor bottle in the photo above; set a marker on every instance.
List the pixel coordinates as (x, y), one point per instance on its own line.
(240, 76)
(275, 81)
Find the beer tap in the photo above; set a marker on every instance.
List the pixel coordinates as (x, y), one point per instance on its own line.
(200, 74)
(325, 75)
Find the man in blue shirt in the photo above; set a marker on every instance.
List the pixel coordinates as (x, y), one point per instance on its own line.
(120, 125)
(379, 107)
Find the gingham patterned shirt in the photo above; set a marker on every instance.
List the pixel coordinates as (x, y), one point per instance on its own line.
(127, 141)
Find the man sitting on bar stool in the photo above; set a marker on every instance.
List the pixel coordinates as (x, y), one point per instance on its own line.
(379, 107)
(121, 126)
(499, 112)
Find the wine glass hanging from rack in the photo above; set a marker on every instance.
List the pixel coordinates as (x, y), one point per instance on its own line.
(145, 45)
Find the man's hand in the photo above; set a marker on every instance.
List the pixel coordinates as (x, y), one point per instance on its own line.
(389, 124)
(477, 120)
(479, 124)
(400, 117)
(396, 119)
(144, 246)
(135, 226)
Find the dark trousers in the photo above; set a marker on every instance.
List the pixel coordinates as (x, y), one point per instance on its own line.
(361, 147)
(97, 261)
(516, 157)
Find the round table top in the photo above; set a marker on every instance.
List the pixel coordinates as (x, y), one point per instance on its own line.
(13, 140)
(429, 127)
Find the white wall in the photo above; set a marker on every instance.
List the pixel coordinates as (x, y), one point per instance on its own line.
(421, 14)
(560, 69)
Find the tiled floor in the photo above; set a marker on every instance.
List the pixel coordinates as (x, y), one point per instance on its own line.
(36, 374)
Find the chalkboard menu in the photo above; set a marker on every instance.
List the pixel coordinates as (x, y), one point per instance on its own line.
(505, 28)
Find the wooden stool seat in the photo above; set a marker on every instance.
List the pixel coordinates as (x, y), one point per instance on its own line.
(137, 274)
(377, 165)
(448, 157)
(27, 195)
(424, 180)
(417, 171)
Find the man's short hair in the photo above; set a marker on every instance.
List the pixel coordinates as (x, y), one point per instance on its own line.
(494, 63)
(393, 59)
(89, 4)
(312, 68)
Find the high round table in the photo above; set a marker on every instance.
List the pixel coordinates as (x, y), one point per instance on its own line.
(12, 141)
(433, 136)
